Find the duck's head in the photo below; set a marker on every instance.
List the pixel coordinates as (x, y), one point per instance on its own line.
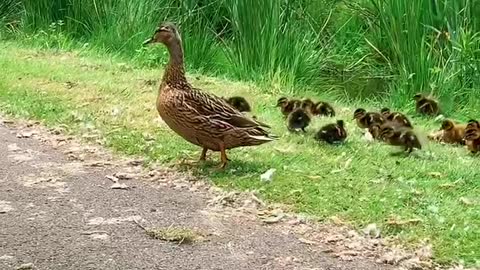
(387, 132)
(167, 33)
(418, 96)
(447, 125)
(282, 101)
(359, 113)
(385, 111)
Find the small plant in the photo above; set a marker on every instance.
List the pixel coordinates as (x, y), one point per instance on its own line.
(181, 235)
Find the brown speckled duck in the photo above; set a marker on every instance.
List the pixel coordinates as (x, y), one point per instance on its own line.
(200, 118)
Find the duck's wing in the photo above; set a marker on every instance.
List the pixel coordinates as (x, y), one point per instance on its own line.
(214, 107)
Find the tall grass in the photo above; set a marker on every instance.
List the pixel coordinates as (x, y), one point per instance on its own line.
(361, 47)
(432, 46)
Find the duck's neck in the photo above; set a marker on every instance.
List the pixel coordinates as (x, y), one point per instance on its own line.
(174, 75)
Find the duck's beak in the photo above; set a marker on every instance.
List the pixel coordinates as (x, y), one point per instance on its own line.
(147, 42)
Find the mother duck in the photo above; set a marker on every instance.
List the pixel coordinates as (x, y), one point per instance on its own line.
(200, 118)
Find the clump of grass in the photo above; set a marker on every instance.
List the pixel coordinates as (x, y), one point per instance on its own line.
(180, 235)
(428, 45)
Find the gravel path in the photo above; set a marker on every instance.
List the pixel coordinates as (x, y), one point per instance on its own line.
(58, 210)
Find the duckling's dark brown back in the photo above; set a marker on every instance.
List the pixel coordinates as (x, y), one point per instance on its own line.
(332, 133)
(239, 103)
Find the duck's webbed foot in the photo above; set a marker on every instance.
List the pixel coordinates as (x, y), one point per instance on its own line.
(223, 157)
(202, 159)
(203, 156)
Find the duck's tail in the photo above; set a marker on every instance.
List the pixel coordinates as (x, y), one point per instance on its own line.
(265, 138)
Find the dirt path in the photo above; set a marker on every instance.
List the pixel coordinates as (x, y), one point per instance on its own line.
(59, 211)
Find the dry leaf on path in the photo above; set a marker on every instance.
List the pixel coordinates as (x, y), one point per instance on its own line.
(268, 175)
(467, 201)
(435, 174)
(119, 186)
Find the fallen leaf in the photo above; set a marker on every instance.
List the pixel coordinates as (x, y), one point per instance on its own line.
(334, 238)
(436, 136)
(25, 266)
(267, 176)
(119, 186)
(372, 230)
(368, 137)
(441, 117)
(435, 174)
(98, 164)
(112, 178)
(425, 252)
(306, 241)
(5, 207)
(273, 219)
(135, 162)
(467, 201)
(13, 147)
(284, 150)
(8, 122)
(25, 134)
(124, 175)
(351, 253)
(347, 163)
(394, 221)
(337, 221)
(447, 185)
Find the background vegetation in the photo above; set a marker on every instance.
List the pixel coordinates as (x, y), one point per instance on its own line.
(356, 49)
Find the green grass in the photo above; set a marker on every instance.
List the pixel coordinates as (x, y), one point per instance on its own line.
(358, 182)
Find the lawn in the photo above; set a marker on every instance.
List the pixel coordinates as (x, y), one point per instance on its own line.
(358, 182)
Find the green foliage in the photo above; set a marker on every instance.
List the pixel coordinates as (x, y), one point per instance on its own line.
(360, 49)
(432, 46)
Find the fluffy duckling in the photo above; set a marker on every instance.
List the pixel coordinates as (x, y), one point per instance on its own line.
(452, 132)
(300, 117)
(396, 117)
(239, 103)
(472, 136)
(286, 105)
(308, 103)
(323, 109)
(400, 137)
(375, 130)
(332, 133)
(426, 105)
(365, 119)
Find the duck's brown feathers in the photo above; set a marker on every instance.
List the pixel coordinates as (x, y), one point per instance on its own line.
(199, 117)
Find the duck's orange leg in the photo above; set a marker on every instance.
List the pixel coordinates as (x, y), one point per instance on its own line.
(223, 156)
(203, 156)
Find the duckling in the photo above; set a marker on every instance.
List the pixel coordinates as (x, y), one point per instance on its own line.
(365, 119)
(286, 105)
(375, 130)
(239, 103)
(332, 133)
(400, 137)
(323, 109)
(426, 105)
(452, 133)
(300, 117)
(397, 117)
(472, 136)
(308, 103)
